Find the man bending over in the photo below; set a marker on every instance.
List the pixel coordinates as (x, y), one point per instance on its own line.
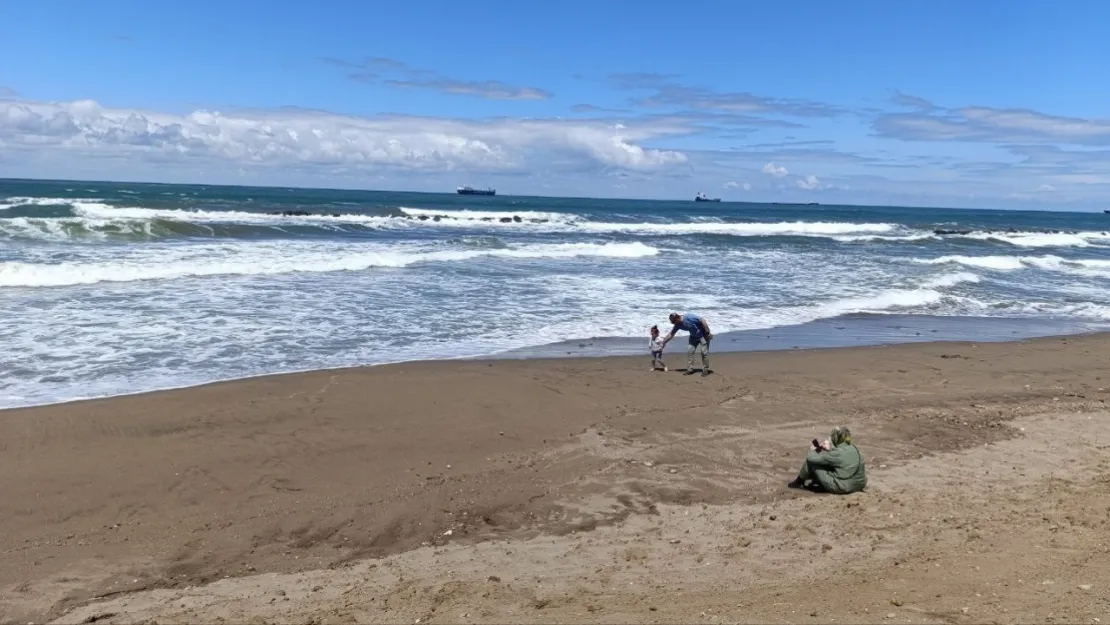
(700, 336)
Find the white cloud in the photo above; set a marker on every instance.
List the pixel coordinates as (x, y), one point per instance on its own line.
(292, 137)
(772, 169)
(298, 147)
(665, 92)
(1099, 179)
(989, 124)
(375, 70)
(808, 183)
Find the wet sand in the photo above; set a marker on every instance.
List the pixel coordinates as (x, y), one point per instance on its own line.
(574, 490)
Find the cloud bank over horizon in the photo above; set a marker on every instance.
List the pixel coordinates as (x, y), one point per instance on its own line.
(666, 139)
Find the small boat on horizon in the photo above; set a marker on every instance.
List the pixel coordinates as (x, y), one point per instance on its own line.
(701, 197)
(469, 190)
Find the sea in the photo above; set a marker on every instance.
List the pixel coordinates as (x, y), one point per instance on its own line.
(116, 288)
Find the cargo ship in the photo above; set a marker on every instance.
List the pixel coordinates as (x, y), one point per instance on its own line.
(468, 190)
(701, 197)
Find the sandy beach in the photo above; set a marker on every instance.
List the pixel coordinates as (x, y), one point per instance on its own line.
(574, 490)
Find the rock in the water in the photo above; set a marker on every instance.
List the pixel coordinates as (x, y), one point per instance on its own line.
(291, 213)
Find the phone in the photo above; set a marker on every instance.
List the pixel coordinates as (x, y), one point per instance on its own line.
(816, 444)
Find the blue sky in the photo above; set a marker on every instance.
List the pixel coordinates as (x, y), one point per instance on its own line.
(945, 103)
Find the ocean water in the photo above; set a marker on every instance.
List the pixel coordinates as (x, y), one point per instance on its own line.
(116, 288)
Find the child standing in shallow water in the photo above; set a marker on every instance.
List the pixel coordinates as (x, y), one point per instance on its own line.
(656, 346)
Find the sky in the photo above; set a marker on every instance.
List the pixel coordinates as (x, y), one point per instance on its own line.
(1000, 104)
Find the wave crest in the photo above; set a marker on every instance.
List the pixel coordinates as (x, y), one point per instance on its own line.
(274, 259)
(1048, 262)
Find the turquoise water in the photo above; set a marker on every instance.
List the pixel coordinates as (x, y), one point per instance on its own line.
(110, 288)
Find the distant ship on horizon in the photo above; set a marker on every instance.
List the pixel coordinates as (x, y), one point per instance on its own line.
(701, 197)
(469, 190)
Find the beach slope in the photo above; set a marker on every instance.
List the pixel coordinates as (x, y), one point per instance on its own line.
(573, 490)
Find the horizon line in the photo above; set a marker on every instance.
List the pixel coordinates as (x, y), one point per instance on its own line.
(561, 197)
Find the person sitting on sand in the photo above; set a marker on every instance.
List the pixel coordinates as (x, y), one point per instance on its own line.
(656, 347)
(700, 336)
(834, 466)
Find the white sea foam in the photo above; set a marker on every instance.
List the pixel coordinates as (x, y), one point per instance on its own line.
(885, 301)
(546, 221)
(624, 309)
(92, 214)
(1082, 310)
(12, 202)
(274, 258)
(69, 228)
(999, 263)
(168, 312)
(99, 210)
(97, 219)
(464, 219)
(563, 222)
(951, 279)
(1048, 239)
(867, 238)
(1090, 267)
(795, 228)
(555, 222)
(171, 333)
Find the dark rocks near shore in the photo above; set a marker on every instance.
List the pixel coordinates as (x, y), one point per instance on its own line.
(963, 232)
(508, 219)
(303, 214)
(436, 218)
(518, 219)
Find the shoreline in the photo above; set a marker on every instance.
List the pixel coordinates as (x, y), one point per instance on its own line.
(845, 331)
(288, 478)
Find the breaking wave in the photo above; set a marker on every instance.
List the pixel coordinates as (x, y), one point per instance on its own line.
(1044, 239)
(83, 218)
(101, 220)
(274, 259)
(146, 286)
(1014, 263)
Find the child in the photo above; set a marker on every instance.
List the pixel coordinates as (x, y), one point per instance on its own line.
(656, 346)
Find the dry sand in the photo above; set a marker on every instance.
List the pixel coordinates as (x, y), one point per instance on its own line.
(584, 490)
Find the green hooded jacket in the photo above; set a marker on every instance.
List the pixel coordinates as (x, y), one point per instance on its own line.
(840, 470)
